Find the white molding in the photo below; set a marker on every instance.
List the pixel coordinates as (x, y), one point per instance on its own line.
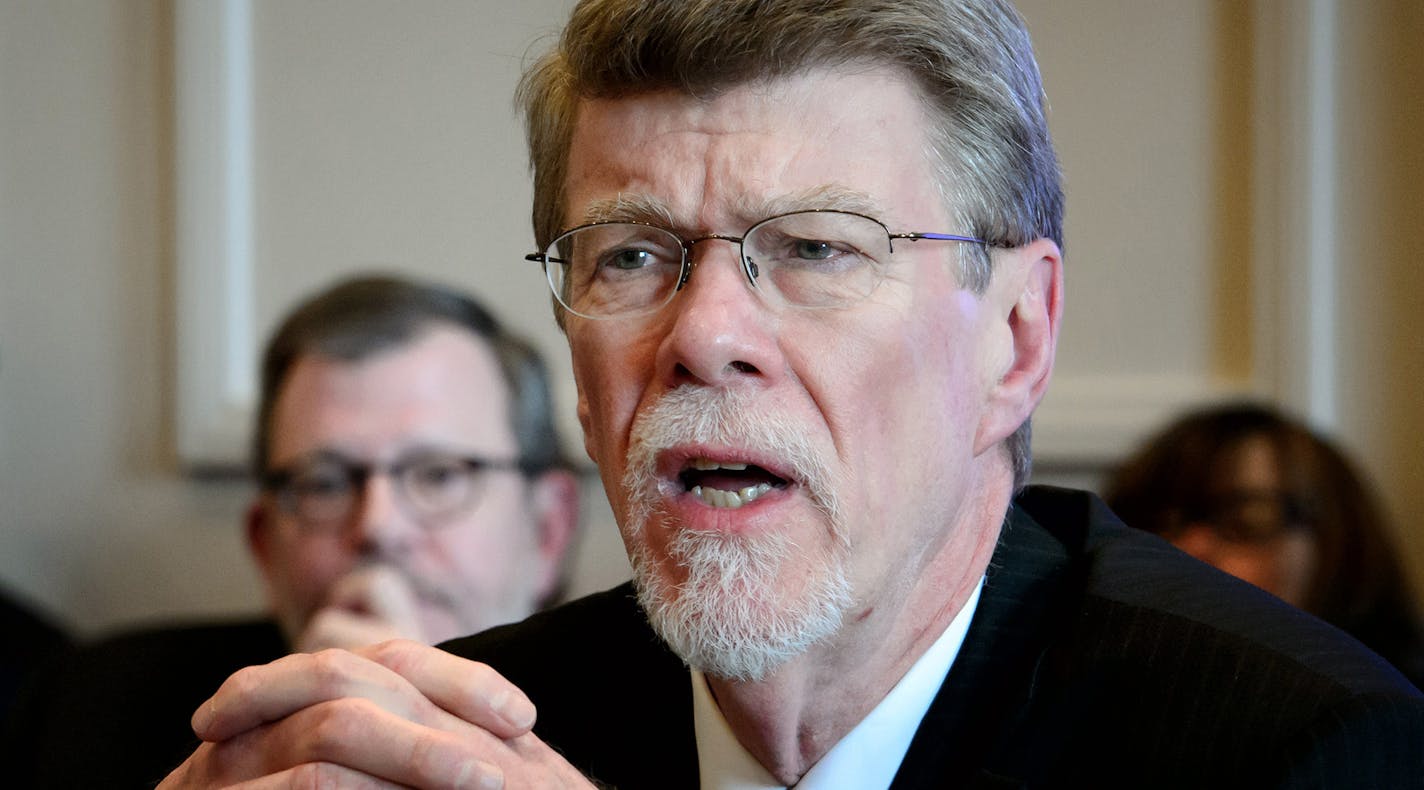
(1090, 420)
(213, 230)
(1085, 420)
(1093, 420)
(1295, 256)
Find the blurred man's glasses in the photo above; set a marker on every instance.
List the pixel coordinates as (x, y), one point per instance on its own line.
(805, 258)
(1254, 517)
(323, 491)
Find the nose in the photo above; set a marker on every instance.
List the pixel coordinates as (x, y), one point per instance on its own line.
(719, 331)
(381, 525)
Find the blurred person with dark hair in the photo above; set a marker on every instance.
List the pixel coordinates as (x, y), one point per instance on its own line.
(411, 484)
(1259, 495)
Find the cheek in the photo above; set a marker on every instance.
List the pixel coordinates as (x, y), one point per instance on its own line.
(914, 388)
(312, 565)
(611, 374)
(495, 545)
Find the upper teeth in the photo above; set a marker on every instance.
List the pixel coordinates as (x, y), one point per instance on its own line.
(707, 464)
(716, 497)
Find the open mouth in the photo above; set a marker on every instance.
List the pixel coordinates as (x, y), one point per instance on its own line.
(728, 484)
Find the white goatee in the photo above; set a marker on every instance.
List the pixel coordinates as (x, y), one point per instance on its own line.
(737, 614)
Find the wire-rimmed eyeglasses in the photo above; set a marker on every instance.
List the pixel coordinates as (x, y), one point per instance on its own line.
(819, 258)
(322, 491)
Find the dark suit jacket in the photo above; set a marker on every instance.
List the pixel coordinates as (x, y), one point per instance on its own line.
(1098, 656)
(117, 715)
(31, 642)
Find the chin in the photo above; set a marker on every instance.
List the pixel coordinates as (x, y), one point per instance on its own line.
(729, 616)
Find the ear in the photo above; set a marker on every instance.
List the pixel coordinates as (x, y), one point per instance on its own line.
(555, 498)
(258, 526)
(1029, 301)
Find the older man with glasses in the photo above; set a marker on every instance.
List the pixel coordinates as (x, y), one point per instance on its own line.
(412, 485)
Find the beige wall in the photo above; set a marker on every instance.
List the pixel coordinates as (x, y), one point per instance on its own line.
(1381, 161)
(1156, 106)
(93, 520)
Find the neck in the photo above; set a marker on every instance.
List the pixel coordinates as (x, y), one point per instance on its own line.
(792, 717)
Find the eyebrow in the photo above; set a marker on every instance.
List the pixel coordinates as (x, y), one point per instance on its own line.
(629, 208)
(650, 210)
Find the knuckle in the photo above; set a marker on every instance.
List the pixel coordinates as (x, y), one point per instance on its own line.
(330, 669)
(334, 727)
(244, 682)
(393, 654)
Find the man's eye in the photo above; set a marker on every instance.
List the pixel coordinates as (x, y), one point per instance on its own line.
(320, 484)
(628, 259)
(814, 249)
(816, 255)
(437, 475)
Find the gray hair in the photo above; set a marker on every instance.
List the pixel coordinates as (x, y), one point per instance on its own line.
(971, 61)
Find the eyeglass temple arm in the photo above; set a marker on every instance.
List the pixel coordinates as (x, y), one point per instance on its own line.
(939, 237)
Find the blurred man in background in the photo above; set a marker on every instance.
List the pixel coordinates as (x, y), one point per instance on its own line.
(411, 484)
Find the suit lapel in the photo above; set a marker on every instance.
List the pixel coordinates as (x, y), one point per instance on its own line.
(964, 739)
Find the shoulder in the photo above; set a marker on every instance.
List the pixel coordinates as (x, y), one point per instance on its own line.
(1177, 664)
(1144, 592)
(160, 668)
(189, 649)
(129, 698)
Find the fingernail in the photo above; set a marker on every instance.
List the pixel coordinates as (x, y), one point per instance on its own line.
(202, 718)
(514, 708)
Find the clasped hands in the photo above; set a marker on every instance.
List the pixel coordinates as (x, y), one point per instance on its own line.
(396, 714)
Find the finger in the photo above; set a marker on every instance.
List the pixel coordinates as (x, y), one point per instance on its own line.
(328, 775)
(470, 690)
(391, 598)
(254, 696)
(339, 628)
(357, 736)
(205, 768)
(317, 775)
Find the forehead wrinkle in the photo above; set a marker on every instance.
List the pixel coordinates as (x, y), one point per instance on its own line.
(826, 197)
(652, 210)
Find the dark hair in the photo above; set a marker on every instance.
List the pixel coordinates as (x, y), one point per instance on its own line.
(361, 317)
(1358, 583)
(971, 61)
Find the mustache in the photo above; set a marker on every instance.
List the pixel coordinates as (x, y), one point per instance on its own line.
(693, 414)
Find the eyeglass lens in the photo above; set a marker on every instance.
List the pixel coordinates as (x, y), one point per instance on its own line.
(324, 493)
(810, 259)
